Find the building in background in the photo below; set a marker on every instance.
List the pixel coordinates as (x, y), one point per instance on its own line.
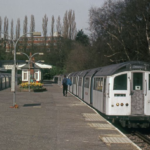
(35, 69)
(37, 41)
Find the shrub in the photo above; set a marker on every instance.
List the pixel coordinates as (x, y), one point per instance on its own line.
(32, 85)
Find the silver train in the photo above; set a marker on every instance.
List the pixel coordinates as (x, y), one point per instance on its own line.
(5, 80)
(121, 92)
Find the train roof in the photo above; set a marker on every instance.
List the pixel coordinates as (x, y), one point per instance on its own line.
(83, 73)
(125, 66)
(93, 71)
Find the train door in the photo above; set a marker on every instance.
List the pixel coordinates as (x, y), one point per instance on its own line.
(137, 93)
(147, 94)
(77, 81)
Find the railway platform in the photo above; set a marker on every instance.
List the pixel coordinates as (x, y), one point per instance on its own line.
(50, 121)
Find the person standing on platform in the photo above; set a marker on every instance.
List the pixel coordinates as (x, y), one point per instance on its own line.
(65, 86)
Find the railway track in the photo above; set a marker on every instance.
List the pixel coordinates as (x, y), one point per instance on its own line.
(141, 137)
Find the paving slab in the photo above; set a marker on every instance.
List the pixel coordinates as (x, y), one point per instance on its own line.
(50, 121)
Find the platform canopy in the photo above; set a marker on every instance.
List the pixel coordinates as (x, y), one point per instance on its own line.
(44, 66)
(21, 64)
(35, 66)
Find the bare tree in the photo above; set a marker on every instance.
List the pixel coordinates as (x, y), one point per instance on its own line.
(25, 27)
(71, 24)
(44, 26)
(32, 29)
(65, 25)
(12, 32)
(12, 29)
(52, 26)
(5, 27)
(25, 30)
(18, 29)
(58, 26)
(0, 27)
(32, 24)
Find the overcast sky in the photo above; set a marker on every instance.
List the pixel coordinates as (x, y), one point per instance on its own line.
(14, 9)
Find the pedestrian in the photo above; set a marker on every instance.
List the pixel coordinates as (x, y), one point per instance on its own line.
(69, 82)
(65, 86)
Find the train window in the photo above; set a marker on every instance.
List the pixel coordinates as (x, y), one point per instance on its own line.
(120, 82)
(80, 81)
(137, 81)
(86, 82)
(74, 80)
(98, 84)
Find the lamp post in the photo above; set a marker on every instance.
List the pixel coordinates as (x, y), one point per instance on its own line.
(13, 87)
(29, 61)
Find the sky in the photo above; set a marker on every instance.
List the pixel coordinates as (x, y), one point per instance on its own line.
(15, 9)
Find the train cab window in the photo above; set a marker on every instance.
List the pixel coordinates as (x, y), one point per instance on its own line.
(120, 82)
(86, 83)
(80, 81)
(137, 81)
(98, 84)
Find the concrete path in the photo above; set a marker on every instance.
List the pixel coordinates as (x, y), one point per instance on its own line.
(47, 121)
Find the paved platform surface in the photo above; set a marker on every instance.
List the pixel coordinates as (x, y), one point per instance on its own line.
(50, 121)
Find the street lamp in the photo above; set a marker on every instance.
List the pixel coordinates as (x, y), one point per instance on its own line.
(36, 61)
(13, 87)
(29, 61)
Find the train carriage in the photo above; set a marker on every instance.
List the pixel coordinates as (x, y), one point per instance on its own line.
(60, 78)
(88, 85)
(7, 80)
(122, 91)
(1, 81)
(55, 79)
(81, 83)
(119, 91)
(71, 77)
(75, 83)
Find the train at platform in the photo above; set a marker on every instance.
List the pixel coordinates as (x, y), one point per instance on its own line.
(5, 80)
(120, 92)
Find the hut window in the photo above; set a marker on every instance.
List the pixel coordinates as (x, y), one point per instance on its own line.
(25, 75)
(36, 76)
(120, 82)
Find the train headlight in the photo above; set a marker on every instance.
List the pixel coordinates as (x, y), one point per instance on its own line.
(127, 104)
(122, 104)
(117, 104)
